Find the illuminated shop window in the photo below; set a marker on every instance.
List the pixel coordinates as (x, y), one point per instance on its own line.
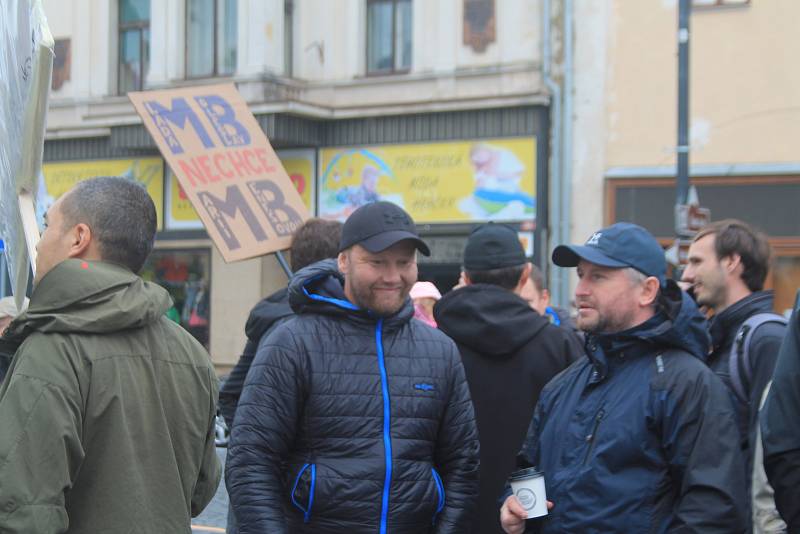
(186, 274)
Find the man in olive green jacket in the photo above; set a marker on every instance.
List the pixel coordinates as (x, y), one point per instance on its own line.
(107, 412)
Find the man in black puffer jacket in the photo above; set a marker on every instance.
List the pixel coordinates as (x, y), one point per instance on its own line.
(354, 418)
(509, 353)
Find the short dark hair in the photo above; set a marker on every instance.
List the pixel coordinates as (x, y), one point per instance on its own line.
(120, 214)
(537, 278)
(733, 236)
(505, 277)
(317, 239)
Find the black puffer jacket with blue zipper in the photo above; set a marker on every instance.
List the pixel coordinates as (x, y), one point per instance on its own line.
(352, 423)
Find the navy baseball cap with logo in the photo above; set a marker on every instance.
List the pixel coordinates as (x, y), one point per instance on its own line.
(620, 245)
(379, 225)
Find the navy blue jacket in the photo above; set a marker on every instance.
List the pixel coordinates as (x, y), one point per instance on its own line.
(640, 435)
(352, 423)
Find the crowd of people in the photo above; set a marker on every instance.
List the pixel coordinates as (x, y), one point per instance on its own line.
(367, 401)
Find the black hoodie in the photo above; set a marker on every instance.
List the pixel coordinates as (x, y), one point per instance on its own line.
(264, 316)
(509, 353)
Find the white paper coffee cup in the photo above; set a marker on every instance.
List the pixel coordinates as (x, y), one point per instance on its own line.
(528, 486)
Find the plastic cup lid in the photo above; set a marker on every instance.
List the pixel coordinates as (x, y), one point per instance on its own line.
(530, 472)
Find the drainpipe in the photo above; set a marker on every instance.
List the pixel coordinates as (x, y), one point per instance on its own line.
(554, 185)
(566, 144)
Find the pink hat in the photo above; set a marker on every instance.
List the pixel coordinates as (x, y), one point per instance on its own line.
(423, 290)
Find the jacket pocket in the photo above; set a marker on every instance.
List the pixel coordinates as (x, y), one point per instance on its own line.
(592, 438)
(439, 492)
(307, 483)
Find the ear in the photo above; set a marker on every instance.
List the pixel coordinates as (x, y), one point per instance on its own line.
(464, 280)
(731, 263)
(649, 293)
(343, 262)
(523, 278)
(545, 296)
(81, 243)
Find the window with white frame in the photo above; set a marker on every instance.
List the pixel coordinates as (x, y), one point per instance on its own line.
(389, 33)
(133, 44)
(211, 38)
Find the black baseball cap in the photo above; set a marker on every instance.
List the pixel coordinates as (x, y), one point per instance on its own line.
(379, 225)
(493, 246)
(620, 245)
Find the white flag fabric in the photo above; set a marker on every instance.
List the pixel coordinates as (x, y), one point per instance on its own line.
(26, 64)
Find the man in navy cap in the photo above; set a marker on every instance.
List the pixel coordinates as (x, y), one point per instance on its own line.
(640, 436)
(355, 418)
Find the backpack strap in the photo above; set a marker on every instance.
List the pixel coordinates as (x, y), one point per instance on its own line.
(739, 364)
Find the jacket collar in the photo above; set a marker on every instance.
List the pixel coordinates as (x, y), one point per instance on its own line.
(725, 324)
(319, 288)
(609, 351)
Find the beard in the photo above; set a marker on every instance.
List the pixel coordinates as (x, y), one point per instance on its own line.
(711, 295)
(594, 321)
(381, 302)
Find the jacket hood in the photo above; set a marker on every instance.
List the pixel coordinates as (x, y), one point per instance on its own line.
(678, 325)
(266, 313)
(93, 297)
(488, 319)
(319, 288)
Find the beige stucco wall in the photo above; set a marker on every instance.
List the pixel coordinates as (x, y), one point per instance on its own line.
(235, 289)
(590, 126)
(744, 86)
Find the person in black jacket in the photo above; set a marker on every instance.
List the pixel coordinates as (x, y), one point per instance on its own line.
(355, 418)
(780, 427)
(728, 264)
(316, 240)
(538, 296)
(509, 353)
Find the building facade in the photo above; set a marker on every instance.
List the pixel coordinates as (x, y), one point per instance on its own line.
(744, 119)
(441, 106)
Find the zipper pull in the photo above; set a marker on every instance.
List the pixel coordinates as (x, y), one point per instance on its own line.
(597, 419)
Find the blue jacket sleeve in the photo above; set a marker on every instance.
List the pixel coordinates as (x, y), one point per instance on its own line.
(700, 440)
(457, 454)
(267, 419)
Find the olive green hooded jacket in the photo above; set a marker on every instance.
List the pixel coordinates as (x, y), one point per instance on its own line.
(107, 412)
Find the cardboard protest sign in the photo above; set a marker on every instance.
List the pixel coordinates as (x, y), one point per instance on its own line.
(300, 165)
(26, 63)
(226, 167)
